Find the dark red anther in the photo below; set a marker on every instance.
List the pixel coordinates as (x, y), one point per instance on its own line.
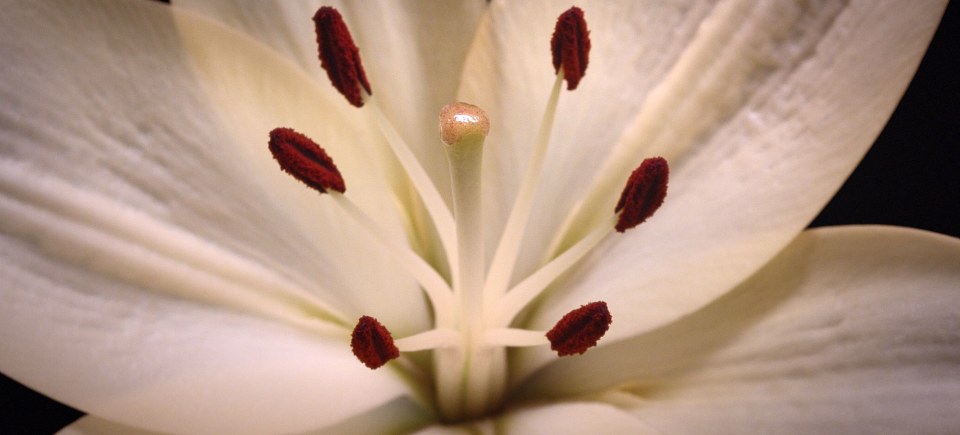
(372, 343)
(339, 56)
(580, 329)
(643, 194)
(570, 46)
(301, 157)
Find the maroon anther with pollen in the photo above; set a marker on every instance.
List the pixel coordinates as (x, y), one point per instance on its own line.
(339, 56)
(302, 158)
(643, 194)
(570, 46)
(580, 329)
(372, 343)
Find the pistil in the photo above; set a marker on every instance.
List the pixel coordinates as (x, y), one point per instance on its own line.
(463, 127)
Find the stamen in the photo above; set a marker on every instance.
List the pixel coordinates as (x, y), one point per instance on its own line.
(580, 329)
(430, 281)
(432, 201)
(513, 337)
(372, 343)
(302, 158)
(643, 194)
(306, 161)
(431, 339)
(505, 257)
(570, 46)
(339, 56)
(532, 286)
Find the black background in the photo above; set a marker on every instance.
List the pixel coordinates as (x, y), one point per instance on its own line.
(911, 177)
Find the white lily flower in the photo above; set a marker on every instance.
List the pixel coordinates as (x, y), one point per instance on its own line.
(162, 275)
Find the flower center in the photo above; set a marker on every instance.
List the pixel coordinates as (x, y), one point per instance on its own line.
(475, 312)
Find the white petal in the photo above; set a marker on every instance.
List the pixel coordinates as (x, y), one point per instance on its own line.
(555, 419)
(284, 26)
(413, 53)
(69, 227)
(850, 329)
(106, 103)
(762, 117)
(397, 416)
(165, 364)
(393, 417)
(573, 418)
(90, 425)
